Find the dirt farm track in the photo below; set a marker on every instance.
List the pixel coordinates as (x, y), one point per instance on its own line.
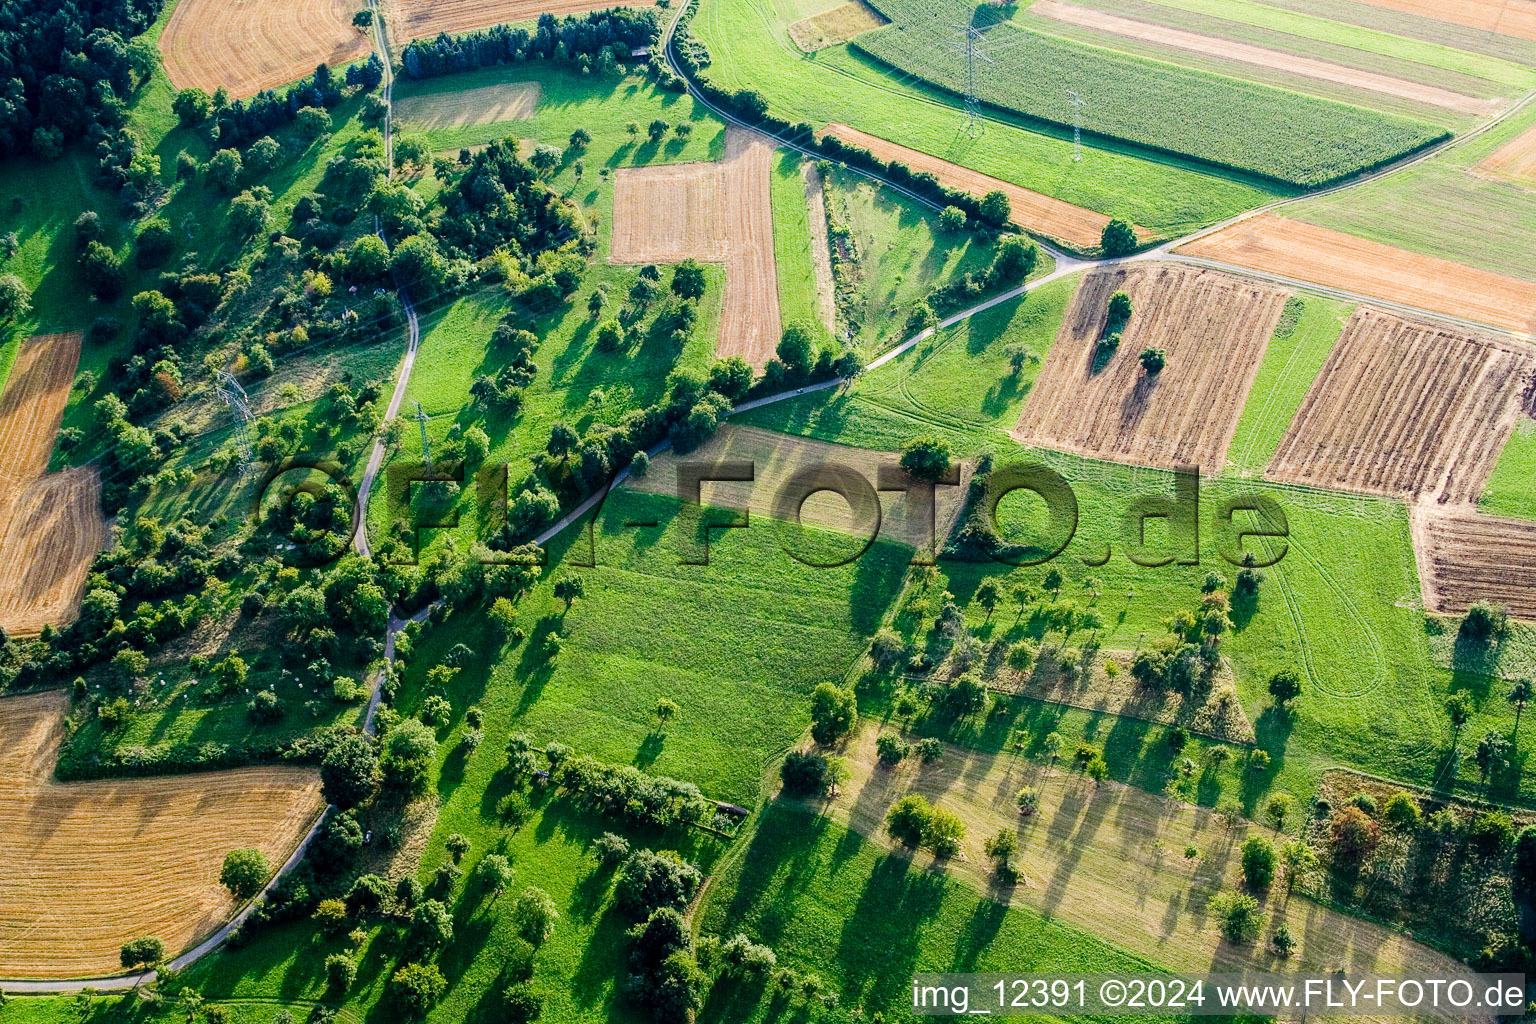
(250, 45)
(84, 867)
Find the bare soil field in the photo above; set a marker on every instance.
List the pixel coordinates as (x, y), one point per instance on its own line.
(1465, 557)
(421, 19)
(1332, 259)
(710, 211)
(86, 866)
(1214, 328)
(250, 45)
(1109, 859)
(1506, 17)
(838, 25)
(50, 524)
(1041, 214)
(1406, 407)
(821, 249)
(1263, 57)
(507, 101)
(778, 457)
(1515, 161)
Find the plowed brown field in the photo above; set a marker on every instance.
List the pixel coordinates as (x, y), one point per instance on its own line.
(1514, 161)
(1404, 407)
(1032, 211)
(1214, 328)
(421, 19)
(50, 526)
(1465, 557)
(250, 45)
(1507, 17)
(718, 212)
(1305, 252)
(84, 867)
(1263, 57)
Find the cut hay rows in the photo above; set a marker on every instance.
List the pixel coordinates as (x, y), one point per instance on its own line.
(838, 25)
(1404, 407)
(1263, 57)
(489, 104)
(422, 19)
(1505, 17)
(1465, 557)
(250, 45)
(1332, 259)
(777, 457)
(85, 867)
(1041, 214)
(1214, 328)
(821, 249)
(1107, 859)
(717, 212)
(50, 525)
(1514, 161)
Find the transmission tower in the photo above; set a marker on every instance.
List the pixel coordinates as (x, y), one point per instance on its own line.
(426, 452)
(972, 49)
(239, 404)
(1077, 124)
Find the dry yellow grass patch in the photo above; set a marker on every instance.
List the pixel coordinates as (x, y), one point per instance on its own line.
(838, 25)
(488, 104)
(1109, 859)
(84, 867)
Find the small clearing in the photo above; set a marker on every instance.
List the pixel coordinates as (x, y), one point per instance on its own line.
(424, 19)
(778, 457)
(720, 212)
(1465, 557)
(1405, 407)
(838, 25)
(1332, 259)
(1263, 57)
(488, 104)
(1515, 161)
(250, 45)
(1032, 211)
(84, 867)
(1213, 328)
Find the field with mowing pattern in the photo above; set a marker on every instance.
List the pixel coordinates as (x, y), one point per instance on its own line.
(254, 46)
(423, 19)
(489, 104)
(834, 26)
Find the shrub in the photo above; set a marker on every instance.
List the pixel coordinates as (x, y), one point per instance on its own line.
(330, 917)
(535, 915)
(952, 219)
(244, 871)
(927, 457)
(340, 972)
(1490, 832)
(1355, 836)
(806, 773)
(611, 849)
(1258, 863)
(929, 749)
(417, 987)
(1239, 914)
(892, 749)
(834, 709)
(1153, 360)
(649, 881)
(944, 832)
(1027, 801)
(1402, 812)
(908, 819)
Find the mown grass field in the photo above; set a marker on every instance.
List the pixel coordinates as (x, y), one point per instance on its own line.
(1511, 488)
(1229, 123)
(751, 49)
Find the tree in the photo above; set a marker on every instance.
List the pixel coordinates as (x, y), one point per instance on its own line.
(15, 298)
(1519, 696)
(154, 242)
(952, 219)
(249, 214)
(944, 832)
(996, 208)
(834, 709)
(1153, 359)
(1299, 858)
(657, 130)
(806, 773)
(1027, 800)
(144, 952)
(581, 139)
(1283, 942)
(569, 589)
(1492, 754)
(1014, 260)
(797, 349)
(431, 925)
(1490, 832)
(313, 122)
(102, 270)
(410, 750)
(1485, 622)
(191, 107)
(563, 440)
(367, 258)
(688, 280)
(363, 19)
(683, 129)
(224, 170)
(1458, 708)
(1402, 812)
(1279, 808)
(244, 871)
(417, 987)
(632, 127)
(1001, 847)
(1241, 920)
(987, 596)
(926, 457)
(1355, 836)
(340, 973)
(418, 263)
(649, 881)
(535, 915)
(1285, 686)
(907, 820)
(494, 873)
(1258, 863)
(544, 158)
(262, 155)
(666, 710)
(1117, 239)
(892, 748)
(922, 318)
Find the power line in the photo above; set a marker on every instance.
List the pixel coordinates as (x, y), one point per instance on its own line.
(239, 404)
(971, 48)
(426, 453)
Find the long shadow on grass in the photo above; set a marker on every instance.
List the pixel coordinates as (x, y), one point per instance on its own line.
(879, 943)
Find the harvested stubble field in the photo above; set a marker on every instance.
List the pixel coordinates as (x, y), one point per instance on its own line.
(1106, 859)
(1505, 17)
(1405, 407)
(85, 867)
(489, 104)
(1331, 259)
(1515, 161)
(838, 25)
(778, 457)
(1032, 211)
(423, 19)
(1465, 557)
(717, 212)
(50, 525)
(1214, 328)
(1264, 57)
(250, 45)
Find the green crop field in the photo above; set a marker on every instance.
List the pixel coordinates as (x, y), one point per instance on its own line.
(1511, 488)
(1229, 123)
